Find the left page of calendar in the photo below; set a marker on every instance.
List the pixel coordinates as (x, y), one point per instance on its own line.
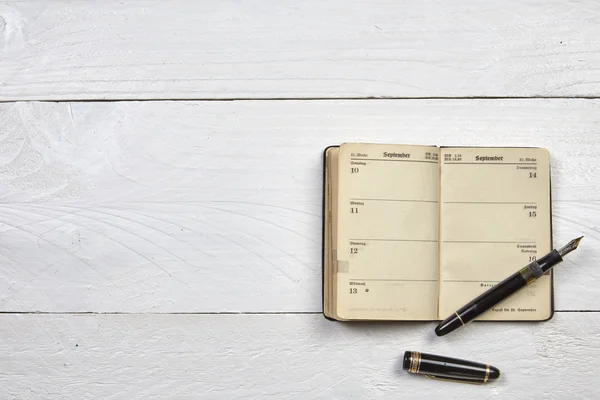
(388, 231)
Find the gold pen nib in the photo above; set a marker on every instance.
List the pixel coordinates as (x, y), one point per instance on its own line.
(569, 247)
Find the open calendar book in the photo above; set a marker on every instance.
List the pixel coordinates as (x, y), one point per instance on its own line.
(414, 232)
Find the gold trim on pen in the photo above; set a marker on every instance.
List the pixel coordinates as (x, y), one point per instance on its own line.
(527, 274)
(461, 321)
(414, 356)
(415, 362)
(487, 373)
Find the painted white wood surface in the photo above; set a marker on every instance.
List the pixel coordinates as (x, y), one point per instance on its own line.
(284, 357)
(216, 206)
(147, 210)
(127, 49)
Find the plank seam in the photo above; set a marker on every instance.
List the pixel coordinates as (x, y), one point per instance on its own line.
(209, 313)
(231, 99)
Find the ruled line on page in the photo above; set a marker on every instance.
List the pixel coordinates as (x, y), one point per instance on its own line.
(490, 202)
(400, 200)
(396, 240)
(394, 280)
(486, 241)
(491, 163)
(393, 159)
(468, 281)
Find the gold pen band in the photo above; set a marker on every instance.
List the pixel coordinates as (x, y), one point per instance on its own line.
(415, 362)
(527, 274)
(487, 373)
(461, 321)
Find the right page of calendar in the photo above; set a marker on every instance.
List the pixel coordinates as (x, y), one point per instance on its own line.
(495, 218)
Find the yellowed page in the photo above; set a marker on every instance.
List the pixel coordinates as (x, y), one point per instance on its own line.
(494, 219)
(388, 213)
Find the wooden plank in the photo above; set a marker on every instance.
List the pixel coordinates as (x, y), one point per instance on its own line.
(185, 49)
(283, 356)
(216, 206)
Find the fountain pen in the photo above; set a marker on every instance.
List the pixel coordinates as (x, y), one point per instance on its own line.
(504, 289)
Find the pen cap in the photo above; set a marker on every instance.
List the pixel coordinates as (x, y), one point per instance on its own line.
(441, 367)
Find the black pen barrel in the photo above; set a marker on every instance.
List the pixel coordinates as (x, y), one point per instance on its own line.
(508, 287)
(491, 297)
(499, 292)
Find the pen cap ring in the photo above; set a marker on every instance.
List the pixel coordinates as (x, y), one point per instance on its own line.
(409, 357)
(411, 362)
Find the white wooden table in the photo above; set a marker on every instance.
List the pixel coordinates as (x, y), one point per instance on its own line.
(160, 189)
